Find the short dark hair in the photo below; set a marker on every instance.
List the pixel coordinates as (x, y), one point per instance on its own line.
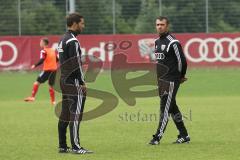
(162, 18)
(45, 40)
(73, 17)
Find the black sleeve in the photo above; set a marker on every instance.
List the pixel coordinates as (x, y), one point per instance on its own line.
(75, 53)
(42, 58)
(39, 62)
(57, 58)
(182, 62)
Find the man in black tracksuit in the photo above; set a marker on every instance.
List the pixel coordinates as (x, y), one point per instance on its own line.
(72, 85)
(171, 70)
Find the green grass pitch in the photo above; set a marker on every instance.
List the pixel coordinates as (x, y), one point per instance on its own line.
(210, 102)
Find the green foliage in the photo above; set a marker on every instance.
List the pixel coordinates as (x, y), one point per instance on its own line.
(97, 15)
(8, 17)
(222, 26)
(127, 15)
(43, 19)
(146, 19)
(189, 17)
(224, 18)
(131, 16)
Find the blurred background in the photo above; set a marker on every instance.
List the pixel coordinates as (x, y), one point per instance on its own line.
(44, 17)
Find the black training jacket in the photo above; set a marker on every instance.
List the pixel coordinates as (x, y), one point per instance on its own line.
(171, 62)
(70, 58)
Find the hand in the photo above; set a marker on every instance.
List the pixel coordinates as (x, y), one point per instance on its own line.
(183, 79)
(33, 66)
(84, 89)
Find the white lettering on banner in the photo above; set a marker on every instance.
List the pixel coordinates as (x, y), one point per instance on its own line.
(96, 50)
(14, 56)
(102, 52)
(218, 50)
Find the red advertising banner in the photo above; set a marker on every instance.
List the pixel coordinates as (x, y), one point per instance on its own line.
(15, 53)
(200, 49)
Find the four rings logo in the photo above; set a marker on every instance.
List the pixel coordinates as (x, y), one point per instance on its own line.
(160, 56)
(223, 50)
(14, 56)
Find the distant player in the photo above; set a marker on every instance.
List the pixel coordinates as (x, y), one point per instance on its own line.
(48, 57)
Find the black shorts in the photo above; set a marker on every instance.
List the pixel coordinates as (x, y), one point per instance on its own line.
(47, 75)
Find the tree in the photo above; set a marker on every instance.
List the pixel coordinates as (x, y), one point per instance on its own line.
(43, 19)
(127, 14)
(9, 17)
(224, 16)
(146, 18)
(97, 14)
(185, 15)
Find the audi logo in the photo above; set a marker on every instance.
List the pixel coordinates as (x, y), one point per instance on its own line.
(14, 56)
(160, 56)
(218, 50)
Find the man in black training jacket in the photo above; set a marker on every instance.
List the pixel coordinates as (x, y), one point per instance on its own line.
(72, 85)
(171, 70)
